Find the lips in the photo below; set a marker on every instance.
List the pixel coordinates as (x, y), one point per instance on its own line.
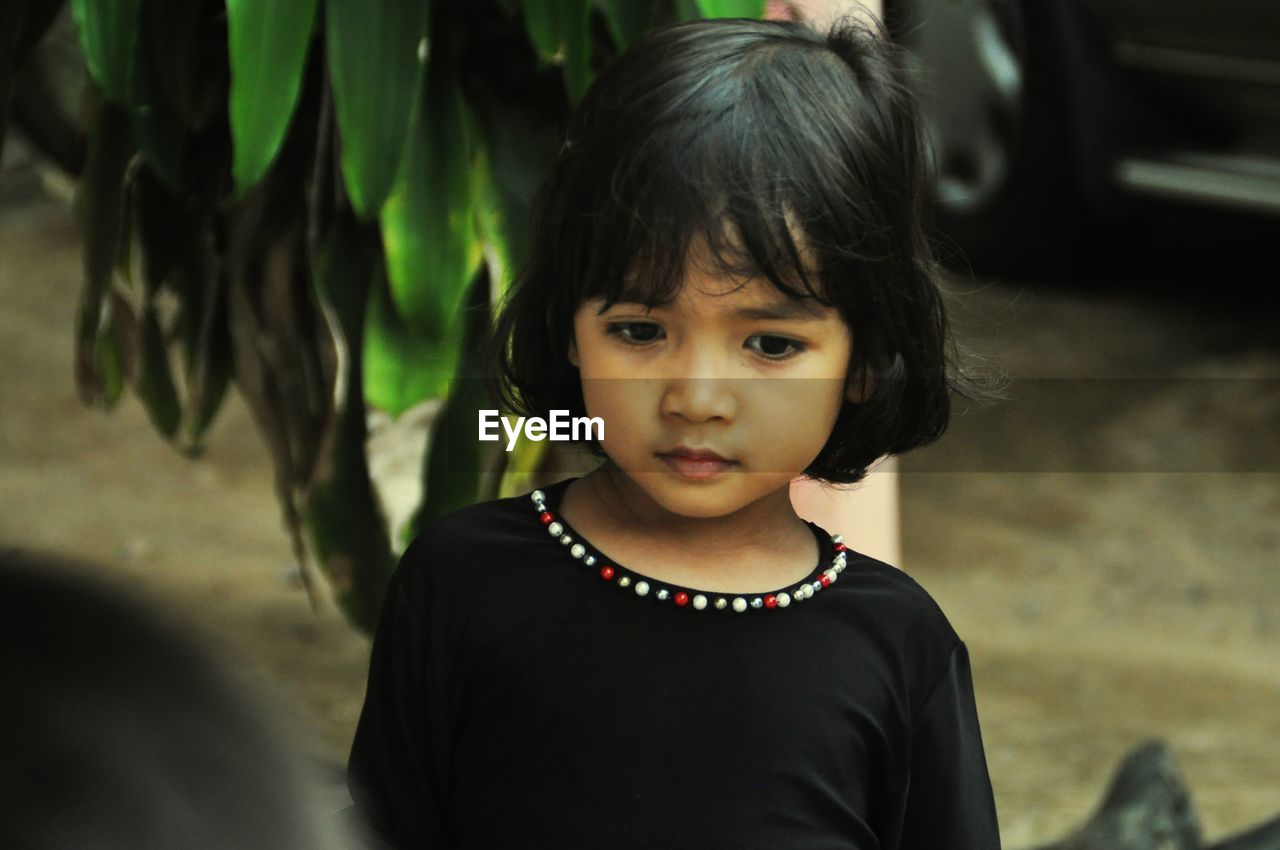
(695, 454)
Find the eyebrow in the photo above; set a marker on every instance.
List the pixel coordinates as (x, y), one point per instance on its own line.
(798, 311)
(789, 310)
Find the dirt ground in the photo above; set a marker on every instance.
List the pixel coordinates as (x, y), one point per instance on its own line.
(1111, 559)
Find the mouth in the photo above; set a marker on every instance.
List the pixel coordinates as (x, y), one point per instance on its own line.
(697, 464)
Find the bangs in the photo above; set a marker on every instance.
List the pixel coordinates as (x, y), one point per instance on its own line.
(733, 161)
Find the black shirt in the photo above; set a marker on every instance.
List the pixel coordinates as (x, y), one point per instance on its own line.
(517, 699)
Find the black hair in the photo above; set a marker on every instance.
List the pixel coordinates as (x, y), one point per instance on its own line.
(799, 157)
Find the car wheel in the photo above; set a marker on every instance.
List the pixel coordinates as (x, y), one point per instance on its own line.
(995, 126)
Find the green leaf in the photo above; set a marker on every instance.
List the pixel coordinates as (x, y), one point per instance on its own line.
(159, 221)
(456, 462)
(101, 213)
(542, 20)
(155, 382)
(176, 27)
(520, 145)
(203, 327)
(109, 359)
(108, 32)
(687, 10)
(376, 57)
(157, 121)
(731, 8)
(401, 365)
(628, 20)
(343, 518)
(267, 41)
(560, 31)
(428, 222)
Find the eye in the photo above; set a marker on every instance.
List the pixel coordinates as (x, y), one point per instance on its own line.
(626, 331)
(769, 341)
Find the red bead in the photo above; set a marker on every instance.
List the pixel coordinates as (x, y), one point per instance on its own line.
(546, 517)
(770, 601)
(606, 572)
(840, 547)
(826, 580)
(682, 598)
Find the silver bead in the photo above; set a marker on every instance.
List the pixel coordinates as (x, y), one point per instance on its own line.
(642, 588)
(721, 603)
(817, 585)
(837, 538)
(538, 496)
(784, 600)
(566, 539)
(624, 581)
(577, 550)
(590, 560)
(699, 602)
(757, 602)
(739, 604)
(555, 529)
(662, 594)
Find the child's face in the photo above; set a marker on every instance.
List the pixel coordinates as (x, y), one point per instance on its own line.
(762, 392)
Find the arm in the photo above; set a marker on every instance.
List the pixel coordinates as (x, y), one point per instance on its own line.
(948, 801)
(394, 771)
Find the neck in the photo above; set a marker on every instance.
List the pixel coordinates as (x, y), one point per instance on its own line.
(754, 527)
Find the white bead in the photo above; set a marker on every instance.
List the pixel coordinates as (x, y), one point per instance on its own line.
(642, 587)
(699, 602)
(739, 604)
(624, 581)
(783, 600)
(590, 560)
(566, 539)
(839, 568)
(837, 538)
(538, 496)
(555, 529)
(721, 603)
(757, 602)
(662, 594)
(577, 550)
(829, 573)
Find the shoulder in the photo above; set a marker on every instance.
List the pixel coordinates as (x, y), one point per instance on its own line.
(904, 616)
(471, 546)
(897, 597)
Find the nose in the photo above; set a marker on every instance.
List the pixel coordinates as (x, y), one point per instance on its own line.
(700, 388)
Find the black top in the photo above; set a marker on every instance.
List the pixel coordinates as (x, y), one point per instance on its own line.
(517, 699)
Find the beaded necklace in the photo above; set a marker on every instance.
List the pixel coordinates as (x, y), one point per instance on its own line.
(687, 598)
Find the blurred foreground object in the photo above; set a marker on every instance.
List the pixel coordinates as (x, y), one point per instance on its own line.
(118, 731)
(1044, 114)
(1148, 807)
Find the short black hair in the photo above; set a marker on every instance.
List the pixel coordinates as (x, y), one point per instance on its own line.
(799, 157)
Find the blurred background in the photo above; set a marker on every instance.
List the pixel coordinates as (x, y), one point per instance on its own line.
(201, 284)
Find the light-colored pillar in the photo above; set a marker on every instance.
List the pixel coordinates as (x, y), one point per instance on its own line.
(868, 516)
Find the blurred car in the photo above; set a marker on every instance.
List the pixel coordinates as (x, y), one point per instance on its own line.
(1044, 114)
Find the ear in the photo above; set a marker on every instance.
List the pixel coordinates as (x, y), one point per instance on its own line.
(573, 352)
(860, 385)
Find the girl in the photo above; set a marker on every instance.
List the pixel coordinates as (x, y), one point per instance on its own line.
(730, 272)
